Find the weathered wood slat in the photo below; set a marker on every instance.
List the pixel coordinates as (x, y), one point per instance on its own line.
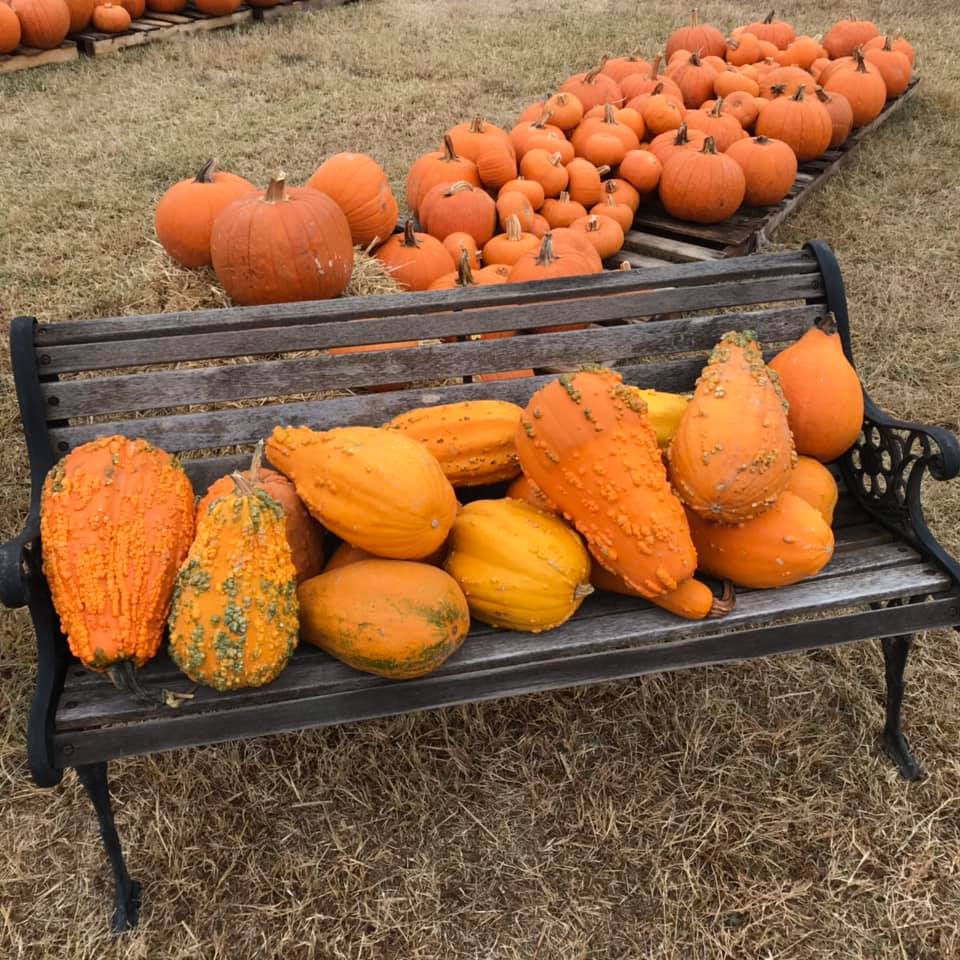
(212, 384)
(611, 655)
(635, 260)
(363, 308)
(26, 58)
(636, 241)
(412, 326)
(719, 234)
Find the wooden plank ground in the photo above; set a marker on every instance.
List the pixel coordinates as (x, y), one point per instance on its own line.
(23, 58)
(657, 237)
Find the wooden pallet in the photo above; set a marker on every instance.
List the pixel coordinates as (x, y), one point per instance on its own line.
(295, 6)
(657, 237)
(23, 58)
(156, 26)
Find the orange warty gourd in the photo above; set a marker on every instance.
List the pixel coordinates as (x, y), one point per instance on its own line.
(116, 521)
(732, 454)
(592, 88)
(185, 214)
(519, 567)
(788, 543)
(693, 599)
(604, 233)
(565, 110)
(233, 621)
(823, 390)
(386, 617)
(415, 260)
(813, 482)
(778, 32)
(10, 24)
(43, 23)
(507, 248)
(377, 489)
(549, 262)
(284, 245)
(894, 66)
(863, 86)
(641, 169)
(846, 35)
(841, 115)
(722, 127)
(769, 168)
(304, 535)
(473, 440)
(455, 243)
(472, 138)
(524, 489)
(694, 78)
(360, 188)
(444, 166)
(621, 503)
(515, 204)
(702, 185)
(459, 207)
(531, 189)
(584, 184)
(562, 211)
(702, 37)
(800, 121)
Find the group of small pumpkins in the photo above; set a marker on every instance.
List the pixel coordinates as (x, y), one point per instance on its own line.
(44, 24)
(554, 195)
(595, 485)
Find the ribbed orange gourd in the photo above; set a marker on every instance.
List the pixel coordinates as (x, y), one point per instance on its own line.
(116, 521)
(823, 390)
(704, 186)
(377, 489)
(693, 599)
(185, 214)
(769, 168)
(519, 567)
(233, 622)
(413, 259)
(386, 617)
(732, 454)
(786, 544)
(473, 441)
(360, 188)
(303, 533)
(586, 442)
(813, 482)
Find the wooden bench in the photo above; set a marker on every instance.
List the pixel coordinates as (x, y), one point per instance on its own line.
(163, 378)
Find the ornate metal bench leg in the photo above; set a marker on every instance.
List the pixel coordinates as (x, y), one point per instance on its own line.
(127, 906)
(895, 653)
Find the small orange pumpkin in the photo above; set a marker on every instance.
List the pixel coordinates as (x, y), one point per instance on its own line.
(507, 248)
(513, 203)
(841, 115)
(443, 166)
(413, 259)
(592, 88)
(455, 243)
(531, 189)
(769, 168)
(697, 36)
(459, 207)
(548, 263)
(562, 211)
(604, 233)
(694, 78)
(724, 128)
(585, 185)
(547, 169)
(641, 169)
(704, 186)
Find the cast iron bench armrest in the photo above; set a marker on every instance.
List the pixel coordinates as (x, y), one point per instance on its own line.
(15, 565)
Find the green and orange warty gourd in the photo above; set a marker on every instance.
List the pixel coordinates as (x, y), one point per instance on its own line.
(388, 617)
(520, 568)
(377, 489)
(823, 390)
(586, 442)
(304, 534)
(788, 543)
(813, 482)
(732, 454)
(116, 519)
(473, 441)
(233, 622)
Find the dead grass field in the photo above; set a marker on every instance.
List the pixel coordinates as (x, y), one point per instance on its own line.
(738, 812)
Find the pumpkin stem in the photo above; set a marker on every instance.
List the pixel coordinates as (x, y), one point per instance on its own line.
(546, 256)
(555, 159)
(256, 462)
(564, 197)
(709, 145)
(769, 17)
(593, 223)
(464, 273)
(274, 192)
(681, 138)
(603, 170)
(723, 604)
(591, 75)
(541, 122)
(861, 60)
(514, 231)
(206, 172)
(242, 486)
(718, 106)
(762, 140)
(826, 324)
(476, 125)
(655, 66)
(624, 265)
(409, 235)
(608, 116)
(887, 42)
(800, 94)
(449, 153)
(123, 677)
(457, 187)
(695, 58)
(658, 89)
(823, 96)
(694, 17)
(582, 590)
(778, 90)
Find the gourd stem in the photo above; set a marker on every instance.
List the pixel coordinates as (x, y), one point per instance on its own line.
(826, 324)
(723, 604)
(658, 89)
(582, 590)
(655, 66)
(861, 60)
(800, 94)
(695, 58)
(514, 231)
(769, 17)
(608, 116)
(718, 106)
(244, 487)
(681, 138)
(603, 170)
(546, 255)
(624, 265)
(457, 187)
(555, 159)
(450, 153)
(593, 222)
(778, 90)
(409, 236)
(762, 140)
(822, 95)
(256, 461)
(541, 122)
(123, 677)
(274, 192)
(694, 17)
(206, 172)
(564, 197)
(476, 125)
(464, 273)
(709, 145)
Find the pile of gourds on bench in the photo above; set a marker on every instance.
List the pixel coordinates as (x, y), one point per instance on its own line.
(611, 487)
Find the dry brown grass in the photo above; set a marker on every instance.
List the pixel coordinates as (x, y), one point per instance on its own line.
(737, 812)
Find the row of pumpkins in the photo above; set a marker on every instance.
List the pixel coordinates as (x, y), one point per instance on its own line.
(610, 487)
(44, 24)
(554, 195)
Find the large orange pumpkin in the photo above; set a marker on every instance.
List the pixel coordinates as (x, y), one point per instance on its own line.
(460, 206)
(184, 216)
(894, 67)
(863, 85)
(702, 185)
(800, 121)
(697, 36)
(769, 168)
(284, 245)
(360, 188)
(43, 23)
(10, 27)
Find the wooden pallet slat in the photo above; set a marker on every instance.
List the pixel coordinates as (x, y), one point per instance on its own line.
(25, 58)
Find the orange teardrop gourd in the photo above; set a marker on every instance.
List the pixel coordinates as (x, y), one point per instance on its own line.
(233, 622)
(732, 454)
(788, 543)
(586, 443)
(473, 441)
(386, 617)
(813, 482)
(823, 391)
(116, 521)
(376, 489)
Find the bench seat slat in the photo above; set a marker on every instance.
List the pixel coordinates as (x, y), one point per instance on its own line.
(98, 702)
(235, 319)
(321, 336)
(248, 381)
